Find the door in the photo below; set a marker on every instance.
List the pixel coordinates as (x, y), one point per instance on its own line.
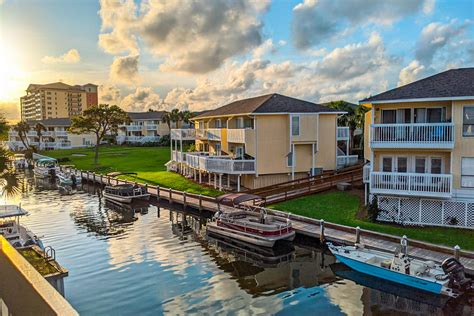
(389, 116)
(239, 152)
(218, 149)
(434, 115)
(401, 179)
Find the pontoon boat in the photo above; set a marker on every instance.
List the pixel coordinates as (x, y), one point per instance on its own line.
(46, 167)
(17, 235)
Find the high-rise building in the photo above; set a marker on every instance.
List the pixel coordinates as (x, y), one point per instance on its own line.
(57, 100)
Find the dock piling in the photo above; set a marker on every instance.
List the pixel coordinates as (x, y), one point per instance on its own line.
(457, 251)
(158, 193)
(357, 235)
(171, 196)
(404, 244)
(184, 200)
(200, 202)
(321, 231)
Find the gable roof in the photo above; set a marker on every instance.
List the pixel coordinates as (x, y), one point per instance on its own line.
(454, 83)
(270, 103)
(158, 115)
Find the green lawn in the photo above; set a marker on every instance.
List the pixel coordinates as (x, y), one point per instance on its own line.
(147, 162)
(342, 207)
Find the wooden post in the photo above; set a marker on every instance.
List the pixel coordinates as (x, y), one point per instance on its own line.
(146, 187)
(171, 196)
(101, 178)
(404, 243)
(357, 235)
(93, 177)
(200, 202)
(184, 200)
(108, 180)
(457, 251)
(158, 193)
(321, 231)
(87, 175)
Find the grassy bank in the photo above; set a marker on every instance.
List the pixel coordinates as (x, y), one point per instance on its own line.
(342, 208)
(147, 162)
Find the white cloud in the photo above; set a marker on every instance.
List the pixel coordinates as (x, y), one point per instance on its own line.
(125, 69)
(265, 48)
(143, 99)
(410, 73)
(316, 20)
(109, 94)
(429, 6)
(70, 57)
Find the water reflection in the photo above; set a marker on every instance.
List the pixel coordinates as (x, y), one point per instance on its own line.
(143, 259)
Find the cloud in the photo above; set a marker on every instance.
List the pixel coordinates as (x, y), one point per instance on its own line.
(434, 37)
(70, 57)
(317, 20)
(143, 99)
(192, 36)
(265, 48)
(125, 69)
(109, 94)
(412, 72)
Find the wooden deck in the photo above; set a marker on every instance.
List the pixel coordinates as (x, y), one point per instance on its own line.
(311, 227)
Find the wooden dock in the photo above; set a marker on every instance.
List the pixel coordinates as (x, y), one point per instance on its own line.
(323, 231)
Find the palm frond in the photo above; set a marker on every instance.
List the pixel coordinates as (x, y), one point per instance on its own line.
(10, 184)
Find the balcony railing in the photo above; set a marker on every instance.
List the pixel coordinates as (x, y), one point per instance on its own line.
(239, 135)
(220, 164)
(183, 134)
(426, 135)
(343, 133)
(60, 133)
(411, 184)
(346, 161)
(132, 127)
(214, 133)
(151, 126)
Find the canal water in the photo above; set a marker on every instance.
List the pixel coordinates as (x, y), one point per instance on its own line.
(146, 260)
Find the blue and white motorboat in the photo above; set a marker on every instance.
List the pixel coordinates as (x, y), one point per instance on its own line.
(68, 178)
(445, 279)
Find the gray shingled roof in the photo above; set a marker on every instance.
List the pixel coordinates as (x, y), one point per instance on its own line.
(270, 103)
(146, 115)
(62, 121)
(450, 83)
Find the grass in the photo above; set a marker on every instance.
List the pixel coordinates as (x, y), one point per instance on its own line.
(342, 208)
(37, 261)
(147, 162)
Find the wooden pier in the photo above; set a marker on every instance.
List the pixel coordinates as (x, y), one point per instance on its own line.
(319, 229)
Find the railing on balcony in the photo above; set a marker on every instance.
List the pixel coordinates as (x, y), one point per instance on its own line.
(346, 161)
(60, 133)
(132, 127)
(412, 184)
(220, 164)
(47, 133)
(343, 133)
(426, 135)
(151, 126)
(236, 135)
(183, 134)
(214, 133)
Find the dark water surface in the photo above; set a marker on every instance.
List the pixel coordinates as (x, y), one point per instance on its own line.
(146, 261)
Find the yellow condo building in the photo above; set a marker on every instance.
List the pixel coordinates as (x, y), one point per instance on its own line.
(419, 140)
(261, 141)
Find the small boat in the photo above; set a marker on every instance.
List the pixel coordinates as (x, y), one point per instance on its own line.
(20, 162)
(68, 178)
(17, 235)
(46, 167)
(126, 193)
(446, 279)
(248, 225)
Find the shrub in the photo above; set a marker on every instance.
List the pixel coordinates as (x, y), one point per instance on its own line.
(373, 210)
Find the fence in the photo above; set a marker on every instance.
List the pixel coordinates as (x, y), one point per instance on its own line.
(414, 211)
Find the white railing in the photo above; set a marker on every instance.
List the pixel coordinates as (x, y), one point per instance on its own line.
(132, 127)
(60, 133)
(346, 161)
(220, 164)
(214, 133)
(426, 135)
(236, 135)
(184, 134)
(343, 133)
(178, 156)
(412, 184)
(151, 126)
(139, 139)
(47, 133)
(31, 134)
(366, 173)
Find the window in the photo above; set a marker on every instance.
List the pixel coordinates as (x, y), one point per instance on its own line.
(290, 159)
(420, 164)
(434, 115)
(389, 116)
(467, 172)
(218, 123)
(468, 121)
(239, 152)
(218, 149)
(436, 165)
(402, 164)
(295, 125)
(240, 122)
(387, 164)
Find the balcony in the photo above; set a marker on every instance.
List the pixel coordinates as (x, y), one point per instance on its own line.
(240, 135)
(214, 133)
(411, 184)
(151, 126)
(60, 133)
(426, 135)
(220, 164)
(343, 133)
(183, 134)
(132, 128)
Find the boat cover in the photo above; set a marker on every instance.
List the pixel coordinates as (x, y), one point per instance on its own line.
(232, 199)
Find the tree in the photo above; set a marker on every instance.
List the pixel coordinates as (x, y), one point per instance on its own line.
(175, 116)
(3, 127)
(99, 120)
(22, 128)
(167, 119)
(9, 181)
(39, 128)
(186, 116)
(354, 118)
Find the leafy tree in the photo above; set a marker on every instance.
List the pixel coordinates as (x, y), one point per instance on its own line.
(99, 120)
(186, 116)
(167, 119)
(22, 128)
(175, 116)
(9, 181)
(39, 128)
(354, 118)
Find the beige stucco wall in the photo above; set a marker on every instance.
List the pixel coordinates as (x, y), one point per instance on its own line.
(308, 129)
(326, 156)
(464, 146)
(78, 140)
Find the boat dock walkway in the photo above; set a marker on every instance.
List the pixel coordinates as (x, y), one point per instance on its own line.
(324, 231)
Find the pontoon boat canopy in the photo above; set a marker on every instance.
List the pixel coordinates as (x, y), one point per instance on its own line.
(232, 199)
(11, 210)
(116, 174)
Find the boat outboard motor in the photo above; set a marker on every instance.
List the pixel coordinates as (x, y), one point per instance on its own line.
(73, 179)
(457, 278)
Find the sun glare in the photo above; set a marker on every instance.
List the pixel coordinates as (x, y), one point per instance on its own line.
(11, 77)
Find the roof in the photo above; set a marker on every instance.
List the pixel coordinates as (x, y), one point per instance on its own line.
(11, 210)
(270, 103)
(61, 121)
(146, 115)
(454, 83)
(54, 85)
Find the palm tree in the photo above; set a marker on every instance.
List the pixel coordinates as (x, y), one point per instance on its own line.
(354, 118)
(167, 119)
(175, 116)
(40, 128)
(186, 116)
(9, 181)
(22, 128)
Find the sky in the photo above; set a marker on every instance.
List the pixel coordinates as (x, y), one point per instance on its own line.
(196, 55)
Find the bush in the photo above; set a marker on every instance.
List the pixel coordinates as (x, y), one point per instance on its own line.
(373, 210)
(165, 140)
